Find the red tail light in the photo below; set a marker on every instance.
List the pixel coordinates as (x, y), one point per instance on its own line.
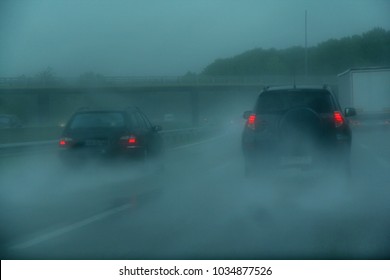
(65, 142)
(129, 140)
(338, 119)
(251, 123)
(132, 140)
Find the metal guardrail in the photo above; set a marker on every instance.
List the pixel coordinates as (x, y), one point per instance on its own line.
(29, 134)
(171, 138)
(27, 144)
(17, 149)
(178, 136)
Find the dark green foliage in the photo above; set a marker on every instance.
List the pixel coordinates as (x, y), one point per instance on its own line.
(328, 58)
(45, 77)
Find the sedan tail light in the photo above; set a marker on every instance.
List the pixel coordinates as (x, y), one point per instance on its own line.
(129, 140)
(65, 142)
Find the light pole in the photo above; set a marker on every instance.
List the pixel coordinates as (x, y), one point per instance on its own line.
(306, 71)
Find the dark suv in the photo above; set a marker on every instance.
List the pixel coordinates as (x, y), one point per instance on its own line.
(125, 133)
(296, 126)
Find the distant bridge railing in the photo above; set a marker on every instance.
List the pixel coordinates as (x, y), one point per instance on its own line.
(120, 81)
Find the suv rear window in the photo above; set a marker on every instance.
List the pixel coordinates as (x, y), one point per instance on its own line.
(98, 119)
(278, 102)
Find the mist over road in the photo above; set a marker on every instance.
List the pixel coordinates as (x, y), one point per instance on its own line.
(201, 206)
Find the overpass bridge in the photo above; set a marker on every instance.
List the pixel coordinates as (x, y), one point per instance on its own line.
(161, 81)
(190, 99)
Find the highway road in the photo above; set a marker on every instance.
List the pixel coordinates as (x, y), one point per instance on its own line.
(200, 207)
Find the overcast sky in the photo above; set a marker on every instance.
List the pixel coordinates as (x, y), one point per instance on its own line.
(165, 37)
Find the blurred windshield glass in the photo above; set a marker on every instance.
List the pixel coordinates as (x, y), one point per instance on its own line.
(173, 180)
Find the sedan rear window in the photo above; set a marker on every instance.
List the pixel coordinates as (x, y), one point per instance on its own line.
(98, 119)
(275, 102)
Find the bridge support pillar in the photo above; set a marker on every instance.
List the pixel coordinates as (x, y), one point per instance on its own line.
(43, 109)
(194, 103)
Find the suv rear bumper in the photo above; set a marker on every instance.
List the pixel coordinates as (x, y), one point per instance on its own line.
(102, 153)
(272, 152)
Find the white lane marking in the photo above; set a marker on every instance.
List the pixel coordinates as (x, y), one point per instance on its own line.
(196, 143)
(72, 227)
(98, 217)
(384, 163)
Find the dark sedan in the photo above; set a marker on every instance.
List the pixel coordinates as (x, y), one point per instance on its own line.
(126, 133)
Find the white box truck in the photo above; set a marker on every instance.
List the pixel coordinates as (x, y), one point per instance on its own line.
(368, 91)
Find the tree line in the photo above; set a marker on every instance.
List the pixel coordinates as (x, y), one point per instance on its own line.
(327, 58)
